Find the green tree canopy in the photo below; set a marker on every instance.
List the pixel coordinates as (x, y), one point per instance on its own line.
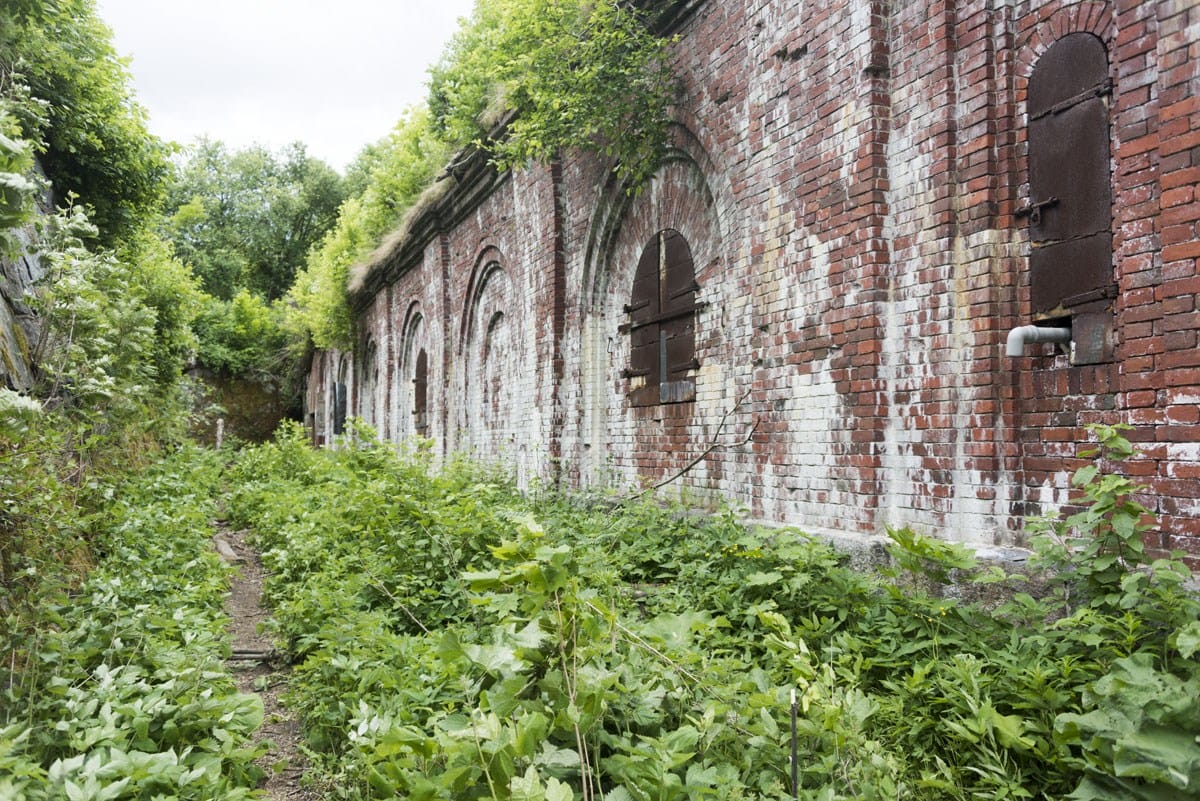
(72, 96)
(247, 219)
(585, 74)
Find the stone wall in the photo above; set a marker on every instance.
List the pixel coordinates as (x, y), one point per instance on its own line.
(19, 327)
(853, 181)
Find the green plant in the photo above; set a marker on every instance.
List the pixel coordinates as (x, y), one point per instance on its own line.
(72, 96)
(557, 644)
(1140, 738)
(17, 184)
(245, 220)
(240, 337)
(119, 691)
(508, 64)
(1095, 548)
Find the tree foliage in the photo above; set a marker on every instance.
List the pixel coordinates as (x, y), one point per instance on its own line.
(247, 219)
(72, 96)
(240, 337)
(392, 174)
(566, 74)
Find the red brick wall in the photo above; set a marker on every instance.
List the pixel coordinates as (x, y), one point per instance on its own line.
(847, 176)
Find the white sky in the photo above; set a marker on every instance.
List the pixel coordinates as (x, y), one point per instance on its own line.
(334, 74)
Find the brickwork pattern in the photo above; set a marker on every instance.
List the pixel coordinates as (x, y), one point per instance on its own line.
(848, 177)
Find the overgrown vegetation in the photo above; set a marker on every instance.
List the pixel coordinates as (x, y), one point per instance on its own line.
(71, 95)
(564, 74)
(120, 691)
(116, 307)
(454, 638)
(558, 650)
(390, 175)
(501, 87)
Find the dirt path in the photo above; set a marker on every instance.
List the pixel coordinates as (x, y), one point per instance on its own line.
(257, 671)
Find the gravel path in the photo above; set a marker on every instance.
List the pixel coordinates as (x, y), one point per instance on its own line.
(257, 670)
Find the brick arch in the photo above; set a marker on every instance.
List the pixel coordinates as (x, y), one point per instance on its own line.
(367, 401)
(619, 204)
(653, 441)
(489, 360)
(488, 273)
(339, 402)
(1093, 18)
(413, 340)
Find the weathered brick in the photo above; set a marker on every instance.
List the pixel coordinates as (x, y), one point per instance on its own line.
(855, 244)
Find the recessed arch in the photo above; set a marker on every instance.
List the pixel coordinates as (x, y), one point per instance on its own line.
(414, 395)
(488, 281)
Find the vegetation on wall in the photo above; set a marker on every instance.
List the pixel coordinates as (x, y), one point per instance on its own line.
(116, 307)
(501, 86)
(566, 75)
(391, 175)
(17, 183)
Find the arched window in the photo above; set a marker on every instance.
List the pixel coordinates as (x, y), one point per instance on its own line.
(1070, 208)
(662, 317)
(421, 395)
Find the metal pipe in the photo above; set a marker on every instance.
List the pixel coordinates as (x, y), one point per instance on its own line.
(1020, 336)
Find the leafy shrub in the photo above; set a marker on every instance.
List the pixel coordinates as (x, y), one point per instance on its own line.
(120, 692)
(239, 337)
(553, 648)
(17, 185)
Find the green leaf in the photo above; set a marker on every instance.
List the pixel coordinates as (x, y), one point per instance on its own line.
(1159, 754)
(1187, 639)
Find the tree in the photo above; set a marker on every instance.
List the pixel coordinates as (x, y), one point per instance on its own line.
(247, 219)
(72, 97)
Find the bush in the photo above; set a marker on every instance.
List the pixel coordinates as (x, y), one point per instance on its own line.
(557, 649)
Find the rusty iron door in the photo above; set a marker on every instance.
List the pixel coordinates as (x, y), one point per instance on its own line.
(1070, 208)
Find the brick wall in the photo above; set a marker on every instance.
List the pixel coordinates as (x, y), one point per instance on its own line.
(850, 178)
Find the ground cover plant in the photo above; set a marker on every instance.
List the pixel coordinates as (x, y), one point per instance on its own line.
(455, 639)
(119, 690)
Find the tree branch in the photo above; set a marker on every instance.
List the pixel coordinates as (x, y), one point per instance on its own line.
(713, 444)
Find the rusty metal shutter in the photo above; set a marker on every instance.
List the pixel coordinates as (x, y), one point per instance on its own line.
(1070, 209)
(662, 314)
(643, 310)
(339, 408)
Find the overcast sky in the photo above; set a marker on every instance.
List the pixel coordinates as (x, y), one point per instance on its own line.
(334, 74)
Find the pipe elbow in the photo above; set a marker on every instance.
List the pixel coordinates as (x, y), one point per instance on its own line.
(1023, 335)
